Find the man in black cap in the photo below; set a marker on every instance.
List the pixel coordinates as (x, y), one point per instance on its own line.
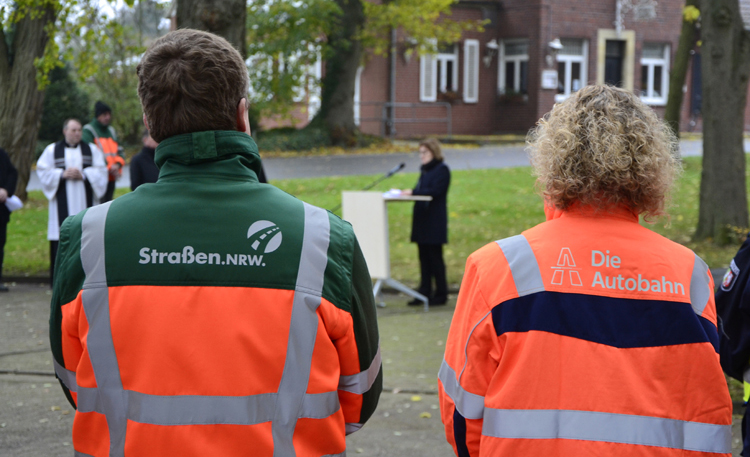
(100, 132)
(8, 178)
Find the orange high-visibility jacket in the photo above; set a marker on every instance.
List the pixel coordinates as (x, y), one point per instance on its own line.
(211, 315)
(106, 140)
(587, 335)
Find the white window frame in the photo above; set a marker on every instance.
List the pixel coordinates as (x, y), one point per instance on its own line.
(471, 67)
(442, 61)
(647, 93)
(517, 59)
(566, 78)
(428, 69)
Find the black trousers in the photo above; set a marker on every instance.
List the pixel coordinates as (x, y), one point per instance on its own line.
(431, 265)
(109, 193)
(52, 256)
(3, 236)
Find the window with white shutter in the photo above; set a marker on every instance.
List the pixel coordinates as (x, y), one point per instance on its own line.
(655, 73)
(514, 67)
(427, 78)
(471, 71)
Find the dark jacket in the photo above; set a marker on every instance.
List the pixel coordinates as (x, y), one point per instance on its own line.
(429, 224)
(143, 170)
(8, 179)
(733, 309)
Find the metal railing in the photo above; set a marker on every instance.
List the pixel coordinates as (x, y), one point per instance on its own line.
(388, 123)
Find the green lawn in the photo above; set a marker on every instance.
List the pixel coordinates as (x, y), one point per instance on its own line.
(484, 205)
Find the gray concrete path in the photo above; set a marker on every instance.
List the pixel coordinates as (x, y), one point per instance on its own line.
(493, 156)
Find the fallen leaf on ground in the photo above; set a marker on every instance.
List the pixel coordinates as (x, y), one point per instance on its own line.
(425, 415)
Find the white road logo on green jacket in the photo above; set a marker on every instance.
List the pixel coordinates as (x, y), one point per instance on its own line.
(264, 237)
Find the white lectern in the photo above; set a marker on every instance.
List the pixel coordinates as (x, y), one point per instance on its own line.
(368, 214)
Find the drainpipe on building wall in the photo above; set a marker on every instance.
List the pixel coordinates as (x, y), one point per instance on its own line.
(618, 18)
(391, 122)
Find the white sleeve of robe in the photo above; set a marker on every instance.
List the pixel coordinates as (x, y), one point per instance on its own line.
(48, 175)
(97, 174)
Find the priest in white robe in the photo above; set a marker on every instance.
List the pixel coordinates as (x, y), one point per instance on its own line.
(73, 176)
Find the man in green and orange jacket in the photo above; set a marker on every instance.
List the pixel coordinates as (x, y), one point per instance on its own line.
(208, 314)
(101, 133)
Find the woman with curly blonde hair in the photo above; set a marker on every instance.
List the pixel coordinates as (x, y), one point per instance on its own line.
(589, 334)
(604, 148)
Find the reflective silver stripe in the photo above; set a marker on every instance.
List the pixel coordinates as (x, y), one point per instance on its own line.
(608, 427)
(81, 454)
(320, 406)
(361, 382)
(66, 376)
(470, 405)
(352, 427)
(302, 329)
(700, 289)
(206, 410)
(523, 265)
(200, 410)
(89, 401)
(95, 298)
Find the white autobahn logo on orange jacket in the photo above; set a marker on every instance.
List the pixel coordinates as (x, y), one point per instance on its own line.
(566, 262)
(264, 237)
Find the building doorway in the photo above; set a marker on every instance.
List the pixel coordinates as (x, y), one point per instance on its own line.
(614, 62)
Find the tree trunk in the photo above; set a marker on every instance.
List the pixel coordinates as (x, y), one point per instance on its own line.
(337, 98)
(21, 101)
(225, 18)
(679, 71)
(725, 68)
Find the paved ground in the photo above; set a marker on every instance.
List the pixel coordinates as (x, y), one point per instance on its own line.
(36, 419)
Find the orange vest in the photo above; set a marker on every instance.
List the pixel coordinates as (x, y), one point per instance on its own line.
(588, 335)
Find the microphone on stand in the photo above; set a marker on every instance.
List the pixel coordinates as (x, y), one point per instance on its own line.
(390, 173)
(395, 169)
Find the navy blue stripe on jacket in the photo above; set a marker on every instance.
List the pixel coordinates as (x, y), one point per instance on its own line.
(617, 322)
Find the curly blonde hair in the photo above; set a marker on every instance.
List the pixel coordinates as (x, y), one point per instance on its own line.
(603, 147)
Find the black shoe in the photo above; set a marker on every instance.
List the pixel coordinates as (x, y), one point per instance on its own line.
(4, 288)
(438, 301)
(415, 302)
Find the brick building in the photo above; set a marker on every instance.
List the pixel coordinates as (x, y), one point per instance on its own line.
(531, 54)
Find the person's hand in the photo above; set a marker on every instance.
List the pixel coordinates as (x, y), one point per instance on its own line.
(406, 192)
(72, 173)
(114, 170)
(3, 195)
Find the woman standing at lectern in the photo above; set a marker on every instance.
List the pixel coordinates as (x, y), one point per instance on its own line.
(429, 227)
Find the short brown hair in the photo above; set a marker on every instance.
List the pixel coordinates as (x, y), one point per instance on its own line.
(191, 81)
(604, 147)
(67, 121)
(434, 146)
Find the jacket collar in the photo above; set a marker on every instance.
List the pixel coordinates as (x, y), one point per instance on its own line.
(199, 150)
(431, 164)
(576, 210)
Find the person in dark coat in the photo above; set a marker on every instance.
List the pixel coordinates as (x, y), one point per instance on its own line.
(143, 170)
(8, 179)
(429, 227)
